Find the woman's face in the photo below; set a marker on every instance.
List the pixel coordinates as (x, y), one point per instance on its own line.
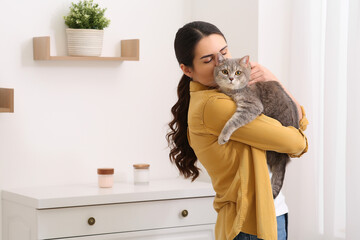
(204, 60)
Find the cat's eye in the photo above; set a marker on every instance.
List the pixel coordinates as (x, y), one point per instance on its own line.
(225, 72)
(237, 72)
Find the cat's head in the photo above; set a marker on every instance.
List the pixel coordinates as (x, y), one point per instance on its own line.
(232, 73)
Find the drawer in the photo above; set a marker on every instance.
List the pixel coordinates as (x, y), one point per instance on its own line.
(113, 218)
(201, 232)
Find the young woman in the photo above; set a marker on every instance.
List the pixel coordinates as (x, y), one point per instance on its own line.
(238, 169)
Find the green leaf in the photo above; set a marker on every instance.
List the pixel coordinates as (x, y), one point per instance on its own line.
(86, 15)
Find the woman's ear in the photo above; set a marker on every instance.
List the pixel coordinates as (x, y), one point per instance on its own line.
(186, 70)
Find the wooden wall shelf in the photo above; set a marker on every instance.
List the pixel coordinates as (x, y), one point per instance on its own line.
(6, 100)
(129, 51)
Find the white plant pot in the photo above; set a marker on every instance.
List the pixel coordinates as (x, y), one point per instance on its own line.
(84, 42)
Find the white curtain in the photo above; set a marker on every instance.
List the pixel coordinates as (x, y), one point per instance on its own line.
(353, 124)
(323, 188)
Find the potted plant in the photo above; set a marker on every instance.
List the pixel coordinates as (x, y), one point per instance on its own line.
(86, 22)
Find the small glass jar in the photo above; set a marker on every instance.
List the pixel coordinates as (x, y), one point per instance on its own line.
(105, 177)
(141, 173)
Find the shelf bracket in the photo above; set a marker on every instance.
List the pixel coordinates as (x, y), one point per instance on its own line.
(7, 100)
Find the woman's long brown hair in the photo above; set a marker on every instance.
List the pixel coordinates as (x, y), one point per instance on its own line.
(181, 154)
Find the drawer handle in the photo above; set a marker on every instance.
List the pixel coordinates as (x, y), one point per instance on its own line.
(184, 213)
(91, 221)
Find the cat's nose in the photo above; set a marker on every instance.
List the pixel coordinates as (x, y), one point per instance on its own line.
(231, 78)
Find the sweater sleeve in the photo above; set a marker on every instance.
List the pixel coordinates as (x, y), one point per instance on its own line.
(263, 132)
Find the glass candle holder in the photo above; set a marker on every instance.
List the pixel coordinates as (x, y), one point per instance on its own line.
(105, 177)
(141, 173)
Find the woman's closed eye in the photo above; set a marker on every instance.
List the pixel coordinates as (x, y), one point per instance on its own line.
(224, 52)
(208, 60)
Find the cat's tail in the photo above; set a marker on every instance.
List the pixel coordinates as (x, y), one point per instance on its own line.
(277, 163)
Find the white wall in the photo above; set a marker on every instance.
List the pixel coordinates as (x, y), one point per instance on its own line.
(274, 37)
(73, 117)
(238, 21)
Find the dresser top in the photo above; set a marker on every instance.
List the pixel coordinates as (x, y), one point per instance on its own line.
(91, 194)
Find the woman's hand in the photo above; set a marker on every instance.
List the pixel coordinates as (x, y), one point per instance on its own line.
(260, 73)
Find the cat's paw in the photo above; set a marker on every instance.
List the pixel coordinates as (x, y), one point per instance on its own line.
(222, 139)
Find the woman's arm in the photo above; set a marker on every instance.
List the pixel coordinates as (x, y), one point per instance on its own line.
(263, 132)
(260, 73)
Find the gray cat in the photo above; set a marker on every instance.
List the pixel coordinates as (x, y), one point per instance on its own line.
(269, 98)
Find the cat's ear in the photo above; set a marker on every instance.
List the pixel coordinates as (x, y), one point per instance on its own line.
(219, 59)
(245, 61)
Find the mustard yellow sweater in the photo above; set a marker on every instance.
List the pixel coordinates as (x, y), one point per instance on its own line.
(238, 169)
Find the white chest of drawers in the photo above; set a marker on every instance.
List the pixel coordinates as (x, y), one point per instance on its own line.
(162, 210)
